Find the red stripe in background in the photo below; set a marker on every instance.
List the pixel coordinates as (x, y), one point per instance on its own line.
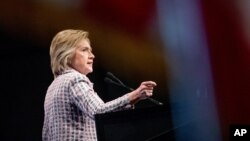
(230, 59)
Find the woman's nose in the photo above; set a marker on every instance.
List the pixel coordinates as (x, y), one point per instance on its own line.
(92, 55)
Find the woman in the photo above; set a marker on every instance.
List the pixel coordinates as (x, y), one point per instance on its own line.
(70, 102)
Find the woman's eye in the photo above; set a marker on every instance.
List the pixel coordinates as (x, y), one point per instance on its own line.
(85, 49)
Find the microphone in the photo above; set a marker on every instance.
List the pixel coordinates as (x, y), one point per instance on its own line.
(115, 78)
(108, 80)
(121, 84)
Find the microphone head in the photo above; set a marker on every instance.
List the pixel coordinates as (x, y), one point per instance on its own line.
(110, 75)
(106, 79)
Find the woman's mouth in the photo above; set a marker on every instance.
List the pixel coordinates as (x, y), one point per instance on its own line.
(90, 63)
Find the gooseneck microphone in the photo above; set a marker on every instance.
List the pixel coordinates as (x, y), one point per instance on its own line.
(108, 80)
(110, 75)
(118, 82)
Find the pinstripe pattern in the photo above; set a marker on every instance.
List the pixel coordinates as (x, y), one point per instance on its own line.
(70, 105)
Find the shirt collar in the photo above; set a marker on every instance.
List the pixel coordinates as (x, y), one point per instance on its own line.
(70, 70)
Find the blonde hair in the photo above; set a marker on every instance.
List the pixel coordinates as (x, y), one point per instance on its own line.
(62, 49)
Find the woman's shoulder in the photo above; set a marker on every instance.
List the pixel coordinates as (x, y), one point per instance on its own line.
(74, 76)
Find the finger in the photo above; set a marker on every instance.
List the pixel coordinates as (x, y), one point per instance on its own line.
(149, 91)
(149, 83)
(149, 88)
(145, 88)
(142, 88)
(149, 94)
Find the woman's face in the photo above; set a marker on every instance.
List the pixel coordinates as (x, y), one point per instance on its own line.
(83, 58)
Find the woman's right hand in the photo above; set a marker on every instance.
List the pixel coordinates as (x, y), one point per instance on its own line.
(144, 91)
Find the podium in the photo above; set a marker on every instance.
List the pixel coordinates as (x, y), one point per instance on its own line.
(143, 124)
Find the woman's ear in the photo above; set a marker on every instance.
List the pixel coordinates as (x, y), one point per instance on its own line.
(69, 60)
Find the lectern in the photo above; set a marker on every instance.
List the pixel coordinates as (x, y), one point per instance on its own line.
(143, 124)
